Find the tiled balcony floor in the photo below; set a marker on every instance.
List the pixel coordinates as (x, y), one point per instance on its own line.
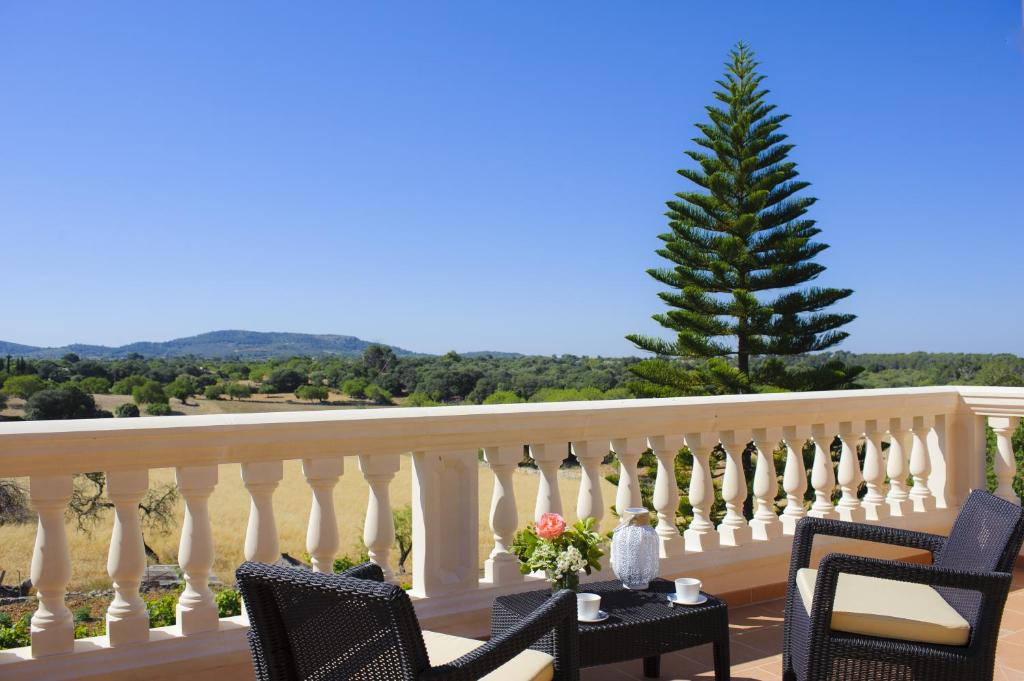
(756, 647)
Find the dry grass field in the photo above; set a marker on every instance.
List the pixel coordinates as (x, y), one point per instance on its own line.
(229, 508)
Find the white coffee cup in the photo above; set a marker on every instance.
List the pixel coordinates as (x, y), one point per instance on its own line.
(588, 606)
(687, 589)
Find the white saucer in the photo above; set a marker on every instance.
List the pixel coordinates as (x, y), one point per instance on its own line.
(601, 617)
(700, 600)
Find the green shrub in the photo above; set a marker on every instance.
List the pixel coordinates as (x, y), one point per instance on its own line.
(377, 394)
(127, 410)
(213, 392)
(418, 399)
(5, 619)
(503, 397)
(16, 635)
(159, 409)
(126, 385)
(161, 611)
(237, 391)
(150, 392)
(355, 387)
(82, 614)
(24, 386)
(345, 562)
(312, 392)
(95, 385)
(229, 603)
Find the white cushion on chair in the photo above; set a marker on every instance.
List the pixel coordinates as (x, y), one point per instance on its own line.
(529, 665)
(889, 609)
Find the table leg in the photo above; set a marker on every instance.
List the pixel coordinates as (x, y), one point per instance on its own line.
(652, 667)
(721, 646)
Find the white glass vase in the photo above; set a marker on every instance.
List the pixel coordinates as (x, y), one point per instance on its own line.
(635, 549)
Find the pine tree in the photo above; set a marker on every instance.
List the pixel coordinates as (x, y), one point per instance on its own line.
(741, 251)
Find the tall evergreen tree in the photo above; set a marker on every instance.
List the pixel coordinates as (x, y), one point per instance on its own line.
(741, 251)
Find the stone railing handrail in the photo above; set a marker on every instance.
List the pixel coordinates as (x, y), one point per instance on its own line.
(936, 453)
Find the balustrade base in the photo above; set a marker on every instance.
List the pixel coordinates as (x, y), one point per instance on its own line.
(498, 571)
(899, 508)
(829, 514)
(125, 630)
(670, 546)
(696, 540)
(852, 514)
(789, 523)
(54, 640)
(765, 530)
(876, 512)
(734, 535)
(196, 621)
(922, 504)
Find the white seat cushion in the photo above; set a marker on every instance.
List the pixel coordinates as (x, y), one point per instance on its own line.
(889, 609)
(529, 665)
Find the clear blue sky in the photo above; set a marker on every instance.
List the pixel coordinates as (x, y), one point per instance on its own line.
(482, 175)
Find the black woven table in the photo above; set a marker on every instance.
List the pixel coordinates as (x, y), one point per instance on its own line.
(641, 624)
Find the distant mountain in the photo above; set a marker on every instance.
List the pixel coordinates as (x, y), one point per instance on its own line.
(215, 344)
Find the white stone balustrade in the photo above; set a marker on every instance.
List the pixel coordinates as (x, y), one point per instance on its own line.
(701, 534)
(628, 451)
(196, 610)
(765, 525)
(666, 492)
(794, 477)
(875, 508)
(823, 476)
(127, 617)
(849, 507)
(501, 567)
(936, 436)
(322, 541)
(379, 528)
(1004, 464)
(733, 530)
(52, 629)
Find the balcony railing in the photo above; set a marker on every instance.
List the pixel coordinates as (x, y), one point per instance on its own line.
(936, 453)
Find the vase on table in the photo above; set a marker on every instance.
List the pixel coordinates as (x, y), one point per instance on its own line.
(569, 581)
(635, 549)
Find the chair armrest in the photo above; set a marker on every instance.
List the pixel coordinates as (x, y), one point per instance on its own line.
(559, 612)
(993, 587)
(809, 527)
(367, 570)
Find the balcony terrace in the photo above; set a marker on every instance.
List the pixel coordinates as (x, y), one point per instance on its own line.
(936, 454)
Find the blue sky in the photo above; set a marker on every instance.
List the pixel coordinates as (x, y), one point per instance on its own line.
(487, 175)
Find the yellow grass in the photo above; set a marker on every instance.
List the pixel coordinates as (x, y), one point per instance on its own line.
(229, 508)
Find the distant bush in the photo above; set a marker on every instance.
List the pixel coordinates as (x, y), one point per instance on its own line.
(312, 392)
(503, 397)
(127, 410)
(285, 380)
(181, 388)
(229, 603)
(213, 392)
(159, 409)
(82, 614)
(24, 386)
(266, 389)
(150, 392)
(237, 391)
(126, 385)
(418, 399)
(377, 394)
(96, 385)
(62, 403)
(3, 401)
(355, 387)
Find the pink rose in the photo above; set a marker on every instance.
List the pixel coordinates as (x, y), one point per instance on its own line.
(550, 526)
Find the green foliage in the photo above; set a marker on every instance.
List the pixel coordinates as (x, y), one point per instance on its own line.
(95, 385)
(24, 386)
(16, 635)
(418, 399)
(213, 392)
(285, 379)
(741, 233)
(161, 610)
(150, 392)
(3, 401)
(62, 403)
(126, 385)
(377, 394)
(82, 614)
(312, 392)
(343, 563)
(237, 391)
(229, 603)
(537, 554)
(127, 410)
(181, 388)
(159, 409)
(503, 397)
(355, 387)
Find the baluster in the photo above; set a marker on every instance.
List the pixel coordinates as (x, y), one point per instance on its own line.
(322, 531)
(1005, 464)
(849, 507)
(823, 477)
(700, 535)
(666, 492)
(379, 528)
(921, 466)
(794, 478)
(501, 567)
(127, 617)
(548, 457)
(197, 609)
(590, 502)
(734, 530)
(875, 508)
(898, 497)
(628, 451)
(765, 525)
(261, 479)
(52, 628)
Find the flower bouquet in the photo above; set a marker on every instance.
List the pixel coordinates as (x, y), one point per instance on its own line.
(558, 551)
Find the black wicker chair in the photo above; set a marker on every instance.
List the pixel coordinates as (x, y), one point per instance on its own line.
(971, 571)
(305, 625)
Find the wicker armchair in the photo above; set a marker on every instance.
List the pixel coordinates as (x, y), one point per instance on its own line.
(305, 625)
(969, 578)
